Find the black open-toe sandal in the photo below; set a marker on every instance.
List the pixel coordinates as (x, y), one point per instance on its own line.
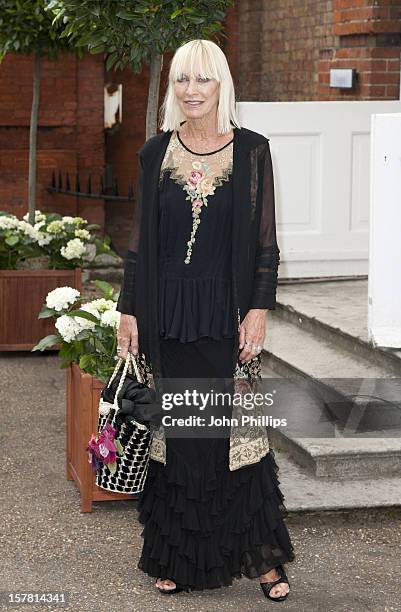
(169, 591)
(267, 586)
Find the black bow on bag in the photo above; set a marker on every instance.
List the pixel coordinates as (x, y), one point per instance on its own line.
(136, 400)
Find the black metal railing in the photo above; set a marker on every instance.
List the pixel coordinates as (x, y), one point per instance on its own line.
(108, 187)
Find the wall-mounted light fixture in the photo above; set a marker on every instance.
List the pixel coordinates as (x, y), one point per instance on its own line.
(344, 78)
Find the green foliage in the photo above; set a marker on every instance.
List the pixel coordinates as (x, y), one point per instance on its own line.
(84, 315)
(26, 26)
(109, 293)
(129, 31)
(46, 312)
(46, 342)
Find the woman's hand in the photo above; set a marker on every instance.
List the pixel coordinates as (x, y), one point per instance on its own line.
(252, 333)
(127, 335)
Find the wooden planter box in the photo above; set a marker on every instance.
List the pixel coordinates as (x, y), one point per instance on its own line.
(22, 295)
(83, 395)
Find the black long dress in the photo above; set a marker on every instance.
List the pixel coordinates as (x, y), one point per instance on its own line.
(203, 524)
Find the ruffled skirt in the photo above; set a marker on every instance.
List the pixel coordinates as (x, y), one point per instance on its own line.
(204, 524)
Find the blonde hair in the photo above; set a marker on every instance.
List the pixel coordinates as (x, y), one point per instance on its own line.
(208, 60)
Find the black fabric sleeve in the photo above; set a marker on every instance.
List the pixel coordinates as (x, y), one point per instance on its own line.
(126, 300)
(267, 252)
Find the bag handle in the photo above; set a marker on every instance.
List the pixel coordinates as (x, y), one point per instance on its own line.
(129, 360)
(112, 377)
(136, 368)
(133, 362)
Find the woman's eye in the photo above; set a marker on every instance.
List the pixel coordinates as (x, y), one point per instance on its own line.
(200, 79)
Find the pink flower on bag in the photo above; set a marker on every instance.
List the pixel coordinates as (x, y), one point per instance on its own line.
(102, 448)
(104, 451)
(197, 203)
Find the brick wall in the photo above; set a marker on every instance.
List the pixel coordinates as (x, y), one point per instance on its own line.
(123, 143)
(280, 41)
(70, 131)
(287, 47)
(230, 43)
(369, 33)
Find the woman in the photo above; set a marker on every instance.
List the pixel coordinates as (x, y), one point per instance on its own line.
(200, 274)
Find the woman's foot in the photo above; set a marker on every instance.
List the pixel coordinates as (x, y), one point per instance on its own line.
(166, 585)
(279, 589)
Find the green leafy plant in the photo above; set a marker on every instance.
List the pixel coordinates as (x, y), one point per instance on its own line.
(85, 329)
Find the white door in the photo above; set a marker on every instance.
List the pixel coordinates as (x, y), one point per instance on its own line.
(321, 162)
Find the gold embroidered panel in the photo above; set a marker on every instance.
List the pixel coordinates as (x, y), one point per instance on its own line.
(199, 175)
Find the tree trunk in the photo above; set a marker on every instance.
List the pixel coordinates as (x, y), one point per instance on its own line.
(153, 94)
(32, 138)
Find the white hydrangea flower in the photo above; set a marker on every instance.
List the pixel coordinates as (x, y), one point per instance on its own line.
(61, 298)
(74, 249)
(111, 318)
(68, 327)
(39, 216)
(101, 304)
(85, 323)
(8, 222)
(45, 238)
(39, 224)
(67, 219)
(29, 230)
(82, 233)
(55, 227)
(79, 220)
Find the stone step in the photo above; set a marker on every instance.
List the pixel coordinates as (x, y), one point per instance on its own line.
(304, 492)
(111, 275)
(306, 352)
(337, 312)
(342, 459)
(329, 431)
(103, 267)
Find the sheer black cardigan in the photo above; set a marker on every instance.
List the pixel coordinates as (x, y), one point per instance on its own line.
(255, 261)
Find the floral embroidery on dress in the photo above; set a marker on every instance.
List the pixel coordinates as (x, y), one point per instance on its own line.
(199, 176)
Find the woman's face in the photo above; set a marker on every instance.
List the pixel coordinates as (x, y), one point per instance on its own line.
(198, 96)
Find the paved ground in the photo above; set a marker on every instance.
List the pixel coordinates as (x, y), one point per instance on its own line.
(346, 561)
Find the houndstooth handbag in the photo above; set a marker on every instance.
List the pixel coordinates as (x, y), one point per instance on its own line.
(131, 466)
